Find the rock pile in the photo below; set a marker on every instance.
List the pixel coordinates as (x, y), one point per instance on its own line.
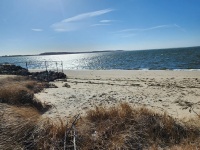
(11, 69)
(48, 75)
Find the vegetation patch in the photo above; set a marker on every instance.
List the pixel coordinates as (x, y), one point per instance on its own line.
(20, 91)
(120, 127)
(124, 127)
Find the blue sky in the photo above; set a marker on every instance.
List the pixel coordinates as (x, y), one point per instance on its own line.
(36, 26)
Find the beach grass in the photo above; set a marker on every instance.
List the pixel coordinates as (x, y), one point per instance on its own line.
(124, 127)
(120, 127)
(20, 91)
(16, 125)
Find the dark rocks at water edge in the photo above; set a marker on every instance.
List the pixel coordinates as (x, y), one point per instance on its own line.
(10, 69)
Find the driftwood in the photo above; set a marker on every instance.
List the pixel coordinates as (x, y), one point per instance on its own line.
(74, 139)
(72, 128)
(191, 108)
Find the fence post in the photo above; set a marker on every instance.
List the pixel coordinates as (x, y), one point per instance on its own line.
(45, 65)
(57, 66)
(62, 65)
(26, 65)
(47, 71)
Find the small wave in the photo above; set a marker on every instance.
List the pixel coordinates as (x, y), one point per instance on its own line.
(186, 69)
(144, 69)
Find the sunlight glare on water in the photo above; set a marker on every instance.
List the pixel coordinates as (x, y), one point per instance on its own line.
(164, 59)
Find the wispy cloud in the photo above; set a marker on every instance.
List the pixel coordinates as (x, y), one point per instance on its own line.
(87, 15)
(106, 21)
(131, 32)
(37, 30)
(151, 28)
(100, 24)
(103, 23)
(73, 23)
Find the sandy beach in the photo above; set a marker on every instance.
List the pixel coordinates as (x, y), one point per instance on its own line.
(163, 91)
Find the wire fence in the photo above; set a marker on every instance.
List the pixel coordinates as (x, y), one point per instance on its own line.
(43, 65)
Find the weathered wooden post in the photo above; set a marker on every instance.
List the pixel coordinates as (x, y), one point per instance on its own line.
(26, 65)
(47, 71)
(45, 65)
(57, 66)
(62, 65)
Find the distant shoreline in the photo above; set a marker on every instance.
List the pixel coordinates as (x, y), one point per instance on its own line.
(66, 53)
(63, 53)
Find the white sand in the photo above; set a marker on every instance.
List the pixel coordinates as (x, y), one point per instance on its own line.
(169, 91)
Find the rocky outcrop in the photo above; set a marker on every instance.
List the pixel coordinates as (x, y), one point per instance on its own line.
(48, 75)
(11, 69)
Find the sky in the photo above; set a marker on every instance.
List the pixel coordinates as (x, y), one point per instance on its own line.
(37, 26)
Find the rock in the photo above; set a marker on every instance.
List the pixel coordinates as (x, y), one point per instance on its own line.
(66, 85)
(51, 85)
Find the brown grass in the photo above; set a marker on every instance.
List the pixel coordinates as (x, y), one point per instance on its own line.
(20, 91)
(121, 127)
(24, 128)
(16, 125)
(124, 127)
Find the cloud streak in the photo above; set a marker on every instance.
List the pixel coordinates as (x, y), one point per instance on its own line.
(103, 23)
(87, 15)
(73, 23)
(149, 29)
(131, 32)
(99, 24)
(37, 30)
(106, 21)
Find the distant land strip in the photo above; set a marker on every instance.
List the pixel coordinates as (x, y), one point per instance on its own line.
(61, 53)
(65, 53)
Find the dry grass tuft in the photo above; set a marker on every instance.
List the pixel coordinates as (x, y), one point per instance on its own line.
(20, 91)
(24, 128)
(30, 84)
(50, 134)
(16, 125)
(124, 127)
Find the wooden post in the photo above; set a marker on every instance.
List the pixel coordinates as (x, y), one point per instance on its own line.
(47, 71)
(74, 139)
(45, 65)
(57, 66)
(62, 65)
(26, 65)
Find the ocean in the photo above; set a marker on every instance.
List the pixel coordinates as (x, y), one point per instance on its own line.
(160, 59)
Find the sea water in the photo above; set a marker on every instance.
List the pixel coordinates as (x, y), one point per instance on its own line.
(161, 59)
